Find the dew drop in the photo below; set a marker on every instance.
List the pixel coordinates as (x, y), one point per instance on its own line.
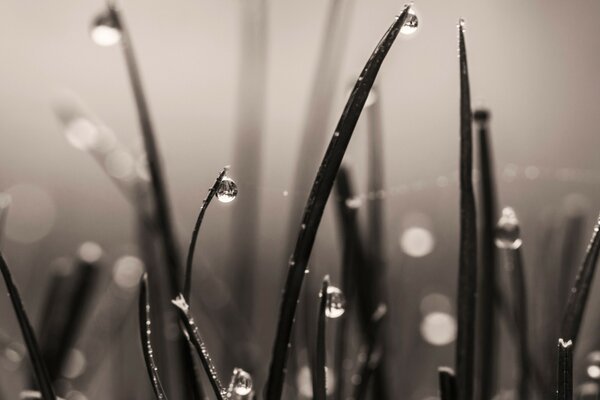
(438, 328)
(508, 233)
(241, 382)
(336, 302)
(105, 30)
(593, 368)
(411, 24)
(227, 190)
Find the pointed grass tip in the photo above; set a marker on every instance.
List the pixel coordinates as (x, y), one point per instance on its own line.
(461, 24)
(180, 303)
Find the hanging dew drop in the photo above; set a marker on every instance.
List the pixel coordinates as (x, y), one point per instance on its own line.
(336, 303)
(241, 382)
(508, 233)
(411, 24)
(227, 190)
(105, 30)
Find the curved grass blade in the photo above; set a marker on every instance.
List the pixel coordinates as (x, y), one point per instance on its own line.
(374, 353)
(447, 383)
(319, 380)
(487, 344)
(578, 296)
(564, 389)
(316, 204)
(145, 332)
(41, 373)
(190, 257)
(163, 216)
(159, 191)
(467, 275)
(193, 334)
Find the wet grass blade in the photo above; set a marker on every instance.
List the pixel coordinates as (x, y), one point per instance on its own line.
(193, 334)
(447, 383)
(319, 382)
(467, 280)
(352, 254)
(190, 257)
(373, 355)
(564, 389)
(487, 344)
(578, 296)
(145, 333)
(41, 373)
(316, 204)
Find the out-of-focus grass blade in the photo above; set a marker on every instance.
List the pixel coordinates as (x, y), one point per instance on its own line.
(578, 295)
(373, 354)
(316, 204)
(145, 332)
(467, 275)
(447, 383)
(41, 373)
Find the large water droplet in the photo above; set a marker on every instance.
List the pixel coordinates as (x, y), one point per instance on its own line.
(105, 30)
(336, 302)
(227, 190)
(411, 24)
(241, 382)
(508, 233)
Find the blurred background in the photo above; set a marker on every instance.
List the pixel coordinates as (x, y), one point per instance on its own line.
(533, 64)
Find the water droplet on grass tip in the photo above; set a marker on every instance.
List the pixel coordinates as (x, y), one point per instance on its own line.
(508, 233)
(411, 24)
(335, 303)
(105, 29)
(227, 190)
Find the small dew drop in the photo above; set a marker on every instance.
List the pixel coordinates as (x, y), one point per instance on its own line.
(508, 233)
(227, 190)
(438, 328)
(241, 382)
(336, 302)
(411, 24)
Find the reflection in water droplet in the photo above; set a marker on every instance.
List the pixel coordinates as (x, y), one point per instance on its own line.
(105, 30)
(411, 24)
(336, 302)
(417, 241)
(508, 233)
(227, 190)
(438, 328)
(241, 382)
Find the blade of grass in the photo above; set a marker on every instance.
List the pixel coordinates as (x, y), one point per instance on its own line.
(193, 334)
(373, 354)
(190, 257)
(145, 334)
(571, 322)
(352, 251)
(447, 383)
(316, 204)
(487, 344)
(41, 373)
(564, 389)
(375, 228)
(159, 191)
(467, 280)
(509, 238)
(319, 367)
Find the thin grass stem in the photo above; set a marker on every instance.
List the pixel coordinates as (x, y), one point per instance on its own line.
(187, 283)
(564, 388)
(37, 361)
(145, 334)
(316, 204)
(447, 383)
(319, 367)
(193, 334)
